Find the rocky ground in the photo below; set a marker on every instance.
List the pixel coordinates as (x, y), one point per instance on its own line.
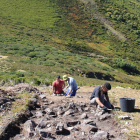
(58, 117)
(8, 95)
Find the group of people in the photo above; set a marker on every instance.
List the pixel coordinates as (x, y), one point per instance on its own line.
(59, 85)
(99, 96)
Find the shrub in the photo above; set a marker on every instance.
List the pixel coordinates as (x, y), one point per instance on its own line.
(116, 12)
(120, 18)
(32, 54)
(19, 80)
(126, 66)
(28, 34)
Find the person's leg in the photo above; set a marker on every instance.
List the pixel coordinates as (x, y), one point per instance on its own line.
(107, 104)
(62, 93)
(73, 93)
(101, 100)
(93, 101)
(67, 92)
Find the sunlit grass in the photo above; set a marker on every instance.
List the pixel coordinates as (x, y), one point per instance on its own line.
(35, 14)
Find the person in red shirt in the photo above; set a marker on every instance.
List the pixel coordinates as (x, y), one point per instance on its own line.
(58, 86)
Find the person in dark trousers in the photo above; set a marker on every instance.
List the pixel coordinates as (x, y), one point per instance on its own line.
(100, 98)
(72, 86)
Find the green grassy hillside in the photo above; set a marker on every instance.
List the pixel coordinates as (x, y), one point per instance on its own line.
(45, 38)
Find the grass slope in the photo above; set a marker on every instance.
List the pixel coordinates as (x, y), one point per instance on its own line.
(46, 38)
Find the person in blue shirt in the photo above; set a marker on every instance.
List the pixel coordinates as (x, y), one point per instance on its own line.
(72, 86)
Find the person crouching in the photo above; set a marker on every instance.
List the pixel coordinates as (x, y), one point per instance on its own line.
(100, 98)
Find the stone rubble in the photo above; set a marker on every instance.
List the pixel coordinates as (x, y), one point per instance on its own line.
(66, 121)
(22, 87)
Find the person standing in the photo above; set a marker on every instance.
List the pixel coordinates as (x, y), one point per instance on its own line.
(58, 86)
(72, 86)
(100, 98)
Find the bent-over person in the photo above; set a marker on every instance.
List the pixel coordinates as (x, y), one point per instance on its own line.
(72, 86)
(100, 98)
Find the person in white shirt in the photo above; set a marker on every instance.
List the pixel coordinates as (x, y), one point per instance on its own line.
(72, 86)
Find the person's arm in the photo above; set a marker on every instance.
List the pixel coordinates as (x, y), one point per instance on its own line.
(107, 98)
(63, 86)
(99, 102)
(53, 87)
(67, 86)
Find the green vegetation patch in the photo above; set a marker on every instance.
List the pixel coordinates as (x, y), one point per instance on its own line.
(34, 13)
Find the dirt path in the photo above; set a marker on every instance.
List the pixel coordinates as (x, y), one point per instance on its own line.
(92, 8)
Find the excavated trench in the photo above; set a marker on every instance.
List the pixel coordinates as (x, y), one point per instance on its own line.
(62, 119)
(14, 127)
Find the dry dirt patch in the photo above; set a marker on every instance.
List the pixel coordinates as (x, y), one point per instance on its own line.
(3, 57)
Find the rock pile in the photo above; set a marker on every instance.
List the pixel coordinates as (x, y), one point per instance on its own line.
(67, 120)
(5, 102)
(22, 87)
(8, 95)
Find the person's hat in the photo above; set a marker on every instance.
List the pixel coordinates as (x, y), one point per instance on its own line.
(107, 85)
(65, 77)
(58, 76)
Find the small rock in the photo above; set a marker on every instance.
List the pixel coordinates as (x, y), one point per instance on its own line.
(84, 116)
(39, 114)
(119, 87)
(60, 112)
(42, 96)
(70, 128)
(83, 133)
(93, 111)
(78, 96)
(105, 116)
(44, 134)
(28, 128)
(19, 137)
(124, 130)
(45, 100)
(49, 111)
(34, 101)
(71, 106)
(44, 107)
(81, 104)
(87, 128)
(101, 134)
(89, 121)
(60, 128)
(42, 124)
(99, 112)
(51, 102)
(70, 111)
(73, 123)
(124, 117)
(86, 109)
